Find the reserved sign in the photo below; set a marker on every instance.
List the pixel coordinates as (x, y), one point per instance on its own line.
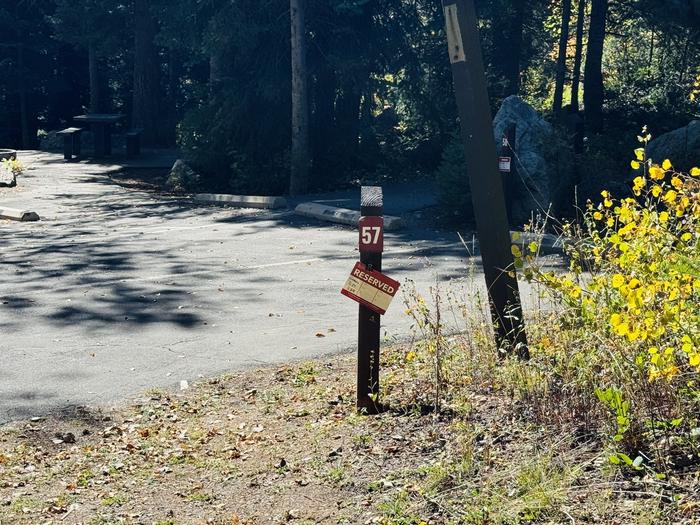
(370, 288)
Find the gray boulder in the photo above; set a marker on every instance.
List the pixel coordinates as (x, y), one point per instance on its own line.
(681, 146)
(545, 178)
(8, 178)
(182, 178)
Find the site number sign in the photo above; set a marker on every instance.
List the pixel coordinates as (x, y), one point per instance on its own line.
(372, 234)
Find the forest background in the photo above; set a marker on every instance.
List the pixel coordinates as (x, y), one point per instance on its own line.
(215, 78)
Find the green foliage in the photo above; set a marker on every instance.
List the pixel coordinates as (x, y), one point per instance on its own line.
(630, 306)
(382, 105)
(612, 397)
(228, 165)
(454, 195)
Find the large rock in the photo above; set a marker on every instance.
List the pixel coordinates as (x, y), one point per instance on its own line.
(545, 178)
(8, 177)
(681, 146)
(182, 178)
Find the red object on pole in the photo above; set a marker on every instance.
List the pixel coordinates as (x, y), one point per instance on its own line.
(370, 288)
(372, 234)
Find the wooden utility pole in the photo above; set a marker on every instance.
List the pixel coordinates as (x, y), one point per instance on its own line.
(508, 167)
(485, 180)
(299, 179)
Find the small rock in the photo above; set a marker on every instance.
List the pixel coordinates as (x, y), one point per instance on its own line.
(292, 515)
(336, 401)
(182, 178)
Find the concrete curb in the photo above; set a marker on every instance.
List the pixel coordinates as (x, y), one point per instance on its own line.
(341, 215)
(242, 201)
(18, 215)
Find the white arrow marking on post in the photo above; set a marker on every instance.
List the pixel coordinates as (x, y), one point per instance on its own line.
(454, 35)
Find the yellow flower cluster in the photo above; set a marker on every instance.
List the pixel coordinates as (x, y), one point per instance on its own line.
(637, 269)
(13, 166)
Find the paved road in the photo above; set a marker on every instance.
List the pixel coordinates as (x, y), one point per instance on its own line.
(117, 290)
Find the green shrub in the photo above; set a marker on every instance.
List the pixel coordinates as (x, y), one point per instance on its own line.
(454, 194)
(248, 159)
(625, 340)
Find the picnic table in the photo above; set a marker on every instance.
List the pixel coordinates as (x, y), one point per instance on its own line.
(101, 126)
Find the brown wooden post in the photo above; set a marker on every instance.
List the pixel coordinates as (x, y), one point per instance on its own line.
(508, 166)
(368, 338)
(486, 185)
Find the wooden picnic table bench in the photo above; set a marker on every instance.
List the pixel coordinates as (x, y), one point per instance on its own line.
(101, 126)
(71, 142)
(133, 142)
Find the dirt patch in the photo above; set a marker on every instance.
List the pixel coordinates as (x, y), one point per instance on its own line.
(286, 445)
(146, 179)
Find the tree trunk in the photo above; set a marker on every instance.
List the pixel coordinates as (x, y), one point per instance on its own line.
(347, 123)
(146, 107)
(593, 94)
(578, 57)
(216, 72)
(324, 94)
(511, 48)
(94, 73)
(174, 73)
(561, 59)
(299, 179)
(22, 91)
(690, 38)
